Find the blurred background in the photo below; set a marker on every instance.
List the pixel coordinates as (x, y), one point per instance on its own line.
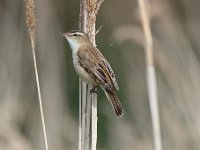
(176, 33)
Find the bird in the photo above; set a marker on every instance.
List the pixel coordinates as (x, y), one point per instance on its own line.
(93, 68)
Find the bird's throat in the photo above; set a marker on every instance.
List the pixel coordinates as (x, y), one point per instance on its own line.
(74, 45)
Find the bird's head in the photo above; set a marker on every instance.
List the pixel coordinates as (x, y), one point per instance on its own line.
(76, 39)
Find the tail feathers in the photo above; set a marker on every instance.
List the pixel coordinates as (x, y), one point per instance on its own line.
(112, 97)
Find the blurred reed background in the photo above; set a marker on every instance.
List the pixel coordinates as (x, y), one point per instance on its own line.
(176, 33)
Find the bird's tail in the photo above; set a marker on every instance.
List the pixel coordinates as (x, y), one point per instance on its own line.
(112, 97)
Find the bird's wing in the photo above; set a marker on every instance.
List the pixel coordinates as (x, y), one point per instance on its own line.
(95, 64)
(111, 73)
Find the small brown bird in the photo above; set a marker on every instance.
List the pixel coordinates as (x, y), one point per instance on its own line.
(93, 68)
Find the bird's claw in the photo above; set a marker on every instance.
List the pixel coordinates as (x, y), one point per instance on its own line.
(93, 90)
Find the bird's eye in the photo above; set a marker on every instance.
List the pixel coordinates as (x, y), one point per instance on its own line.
(75, 34)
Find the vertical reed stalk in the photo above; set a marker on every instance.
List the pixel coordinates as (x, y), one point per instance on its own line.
(150, 73)
(31, 24)
(88, 101)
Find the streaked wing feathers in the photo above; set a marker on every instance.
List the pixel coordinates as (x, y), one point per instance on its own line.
(98, 68)
(112, 75)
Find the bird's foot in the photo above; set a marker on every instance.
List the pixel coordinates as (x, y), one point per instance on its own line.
(93, 90)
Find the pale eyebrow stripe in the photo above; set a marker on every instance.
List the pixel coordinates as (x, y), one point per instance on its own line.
(79, 33)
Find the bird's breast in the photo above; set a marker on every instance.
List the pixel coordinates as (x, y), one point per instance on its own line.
(82, 73)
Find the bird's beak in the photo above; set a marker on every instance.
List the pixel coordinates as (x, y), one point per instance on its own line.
(64, 34)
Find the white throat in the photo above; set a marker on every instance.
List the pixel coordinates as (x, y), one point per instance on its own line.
(74, 45)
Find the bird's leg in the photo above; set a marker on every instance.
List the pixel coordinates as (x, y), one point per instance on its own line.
(94, 89)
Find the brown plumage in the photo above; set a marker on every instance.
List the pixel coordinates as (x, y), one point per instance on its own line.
(100, 71)
(93, 67)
